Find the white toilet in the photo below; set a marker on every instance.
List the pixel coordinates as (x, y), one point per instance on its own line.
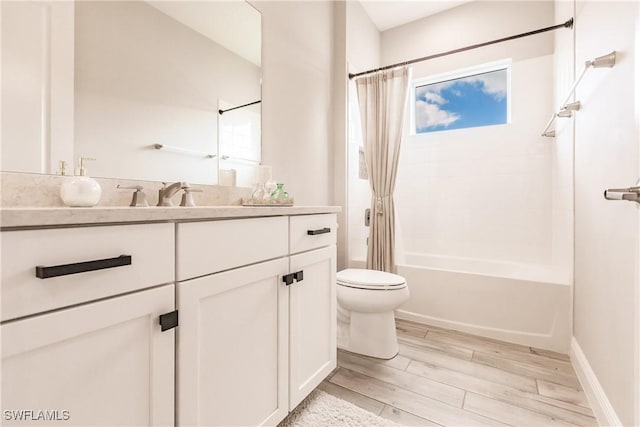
(366, 300)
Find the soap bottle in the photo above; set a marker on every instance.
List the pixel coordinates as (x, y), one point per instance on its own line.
(81, 190)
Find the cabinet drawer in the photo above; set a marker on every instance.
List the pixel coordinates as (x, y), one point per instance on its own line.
(150, 246)
(213, 246)
(312, 231)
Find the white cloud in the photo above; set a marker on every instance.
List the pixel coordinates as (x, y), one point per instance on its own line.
(430, 115)
(494, 83)
(439, 87)
(434, 98)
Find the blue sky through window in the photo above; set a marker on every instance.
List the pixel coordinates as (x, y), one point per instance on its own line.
(470, 101)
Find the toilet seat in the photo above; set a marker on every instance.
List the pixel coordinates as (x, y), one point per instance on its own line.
(369, 279)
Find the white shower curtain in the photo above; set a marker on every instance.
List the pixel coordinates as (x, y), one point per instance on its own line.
(382, 98)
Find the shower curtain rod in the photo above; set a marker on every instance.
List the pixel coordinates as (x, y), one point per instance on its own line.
(568, 24)
(239, 106)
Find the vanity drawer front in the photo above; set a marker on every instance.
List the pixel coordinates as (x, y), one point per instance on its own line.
(151, 247)
(213, 246)
(312, 231)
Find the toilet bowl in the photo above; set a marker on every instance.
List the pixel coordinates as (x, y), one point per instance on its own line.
(366, 301)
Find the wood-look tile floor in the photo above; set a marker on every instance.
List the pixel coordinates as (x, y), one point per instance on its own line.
(449, 378)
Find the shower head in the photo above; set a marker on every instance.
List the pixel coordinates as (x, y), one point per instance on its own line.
(608, 60)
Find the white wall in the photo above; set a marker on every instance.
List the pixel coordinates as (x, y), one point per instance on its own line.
(297, 87)
(340, 155)
(363, 53)
(607, 233)
(363, 39)
(482, 193)
(143, 78)
(470, 23)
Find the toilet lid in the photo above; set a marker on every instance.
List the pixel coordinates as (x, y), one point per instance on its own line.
(369, 279)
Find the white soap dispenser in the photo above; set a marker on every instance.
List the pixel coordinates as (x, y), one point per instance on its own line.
(81, 190)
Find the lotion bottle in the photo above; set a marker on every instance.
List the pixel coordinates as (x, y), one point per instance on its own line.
(81, 190)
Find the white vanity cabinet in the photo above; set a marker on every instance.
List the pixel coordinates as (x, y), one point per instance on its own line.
(312, 303)
(82, 344)
(89, 315)
(257, 334)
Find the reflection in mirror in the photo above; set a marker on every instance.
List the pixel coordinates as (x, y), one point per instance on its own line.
(116, 79)
(239, 141)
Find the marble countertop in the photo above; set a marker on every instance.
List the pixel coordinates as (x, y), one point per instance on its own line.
(52, 217)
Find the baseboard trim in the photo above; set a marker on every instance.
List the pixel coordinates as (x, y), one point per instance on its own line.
(602, 408)
(545, 341)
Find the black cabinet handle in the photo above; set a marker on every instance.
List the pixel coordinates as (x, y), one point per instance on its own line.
(319, 231)
(288, 279)
(81, 267)
(168, 320)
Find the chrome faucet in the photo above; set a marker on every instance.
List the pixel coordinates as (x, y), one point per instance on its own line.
(166, 193)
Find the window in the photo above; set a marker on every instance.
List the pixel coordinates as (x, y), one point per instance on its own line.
(239, 132)
(462, 101)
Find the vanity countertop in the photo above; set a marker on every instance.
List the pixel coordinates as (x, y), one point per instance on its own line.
(52, 217)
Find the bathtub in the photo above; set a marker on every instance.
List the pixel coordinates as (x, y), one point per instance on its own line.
(520, 303)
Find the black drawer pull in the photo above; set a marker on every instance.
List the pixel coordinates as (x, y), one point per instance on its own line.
(320, 231)
(81, 267)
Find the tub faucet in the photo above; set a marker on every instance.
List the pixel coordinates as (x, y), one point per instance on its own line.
(166, 193)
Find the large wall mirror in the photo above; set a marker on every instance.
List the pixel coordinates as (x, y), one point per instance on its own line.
(153, 90)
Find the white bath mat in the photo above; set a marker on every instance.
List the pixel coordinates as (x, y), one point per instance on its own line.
(321, 409)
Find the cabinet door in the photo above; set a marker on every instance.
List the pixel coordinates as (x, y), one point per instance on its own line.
(312, 322)
(103, 363)
(232, 347)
